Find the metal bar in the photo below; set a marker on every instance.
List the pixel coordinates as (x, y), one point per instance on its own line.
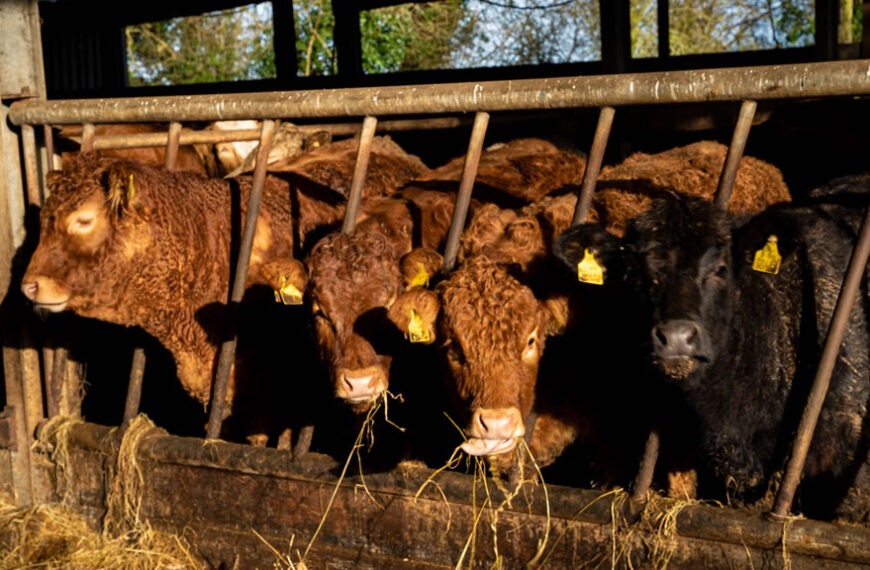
(48, 135)
(106, 142)
(593, 164)
(647, 468)
(88, 133)
(172, 145)
(735, 153)
(54, 386)
(698, 86)
(31, 170)
(836, 330)
(134, 388)
(359, 174)
(664, 27)
(466, 185)
(228, 347)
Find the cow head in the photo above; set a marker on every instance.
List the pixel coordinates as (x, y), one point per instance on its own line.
(492, 332)
(679, 255)
(353, 281)
(90, 224)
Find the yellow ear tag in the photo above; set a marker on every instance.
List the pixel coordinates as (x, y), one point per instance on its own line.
(417, 331)
(588, 270)
(130, 191)
(767, 259)
(421, 279)
(289, 294)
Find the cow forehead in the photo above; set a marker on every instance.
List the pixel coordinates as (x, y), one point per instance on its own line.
(681, 231)
(485, 307)
(358, 271)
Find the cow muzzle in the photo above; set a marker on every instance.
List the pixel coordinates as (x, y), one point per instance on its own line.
(45, 293)
(679, 345)
(361, 385)
(493, 431)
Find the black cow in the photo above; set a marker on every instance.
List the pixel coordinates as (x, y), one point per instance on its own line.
(742, 345)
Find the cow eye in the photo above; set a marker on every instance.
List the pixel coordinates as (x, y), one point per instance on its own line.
(721, 271)
(83, 223)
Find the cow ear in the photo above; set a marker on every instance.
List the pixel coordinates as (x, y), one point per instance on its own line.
(415, 313)
(419, 265)
(288, 277)
(589, 249)
(119, 184)
(557, 314)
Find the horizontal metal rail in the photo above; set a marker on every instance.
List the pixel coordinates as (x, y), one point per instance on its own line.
(105, 142)
(726, 84)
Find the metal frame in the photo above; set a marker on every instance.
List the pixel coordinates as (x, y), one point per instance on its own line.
(739, 84)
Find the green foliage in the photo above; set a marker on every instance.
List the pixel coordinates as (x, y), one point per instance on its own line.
(230, 45)
(315, 27)
(409, 37)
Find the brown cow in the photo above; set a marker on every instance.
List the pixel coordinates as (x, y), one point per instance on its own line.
(494, 313)
(188, 158)
(357, 275)
(135, 245)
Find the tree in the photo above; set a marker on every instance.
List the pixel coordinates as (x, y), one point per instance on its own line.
(229, 45)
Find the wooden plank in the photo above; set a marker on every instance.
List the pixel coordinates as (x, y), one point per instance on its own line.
(232, 490)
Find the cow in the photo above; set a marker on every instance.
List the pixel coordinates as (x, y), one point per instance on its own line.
(734, 313)
(188, 158)
(135, 245)
(350, 276)
(493, 315)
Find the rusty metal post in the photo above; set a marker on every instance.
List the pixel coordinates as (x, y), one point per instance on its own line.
(735, 153)
(593, 164)
(359, 174)
(228, 347)
(134, 388)
(836, 330)
(48, 135)
(172, 145)
(647, 468)
(88, 133)
(466, 185)
(31, 170)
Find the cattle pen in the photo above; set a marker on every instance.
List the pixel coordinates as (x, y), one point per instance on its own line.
(243, 506)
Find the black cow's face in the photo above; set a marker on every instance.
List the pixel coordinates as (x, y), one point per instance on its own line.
(683, 260)
(677, 257)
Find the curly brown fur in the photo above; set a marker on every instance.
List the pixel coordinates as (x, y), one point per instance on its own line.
(352, 275)
(523, 170)
(421, 260)
(166, 254)
(332, 164)
(626, 190)
(187, 158)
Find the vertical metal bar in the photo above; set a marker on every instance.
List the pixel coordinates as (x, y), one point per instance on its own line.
(88, 133)
(466, 184)
(647, 468)
(48, 135)
(228, 347)
(359, 174)
(31, 171)
(134, 389)
(664, 27)
(836, 330)
(54, 385)
(172, 145)
(735, 153)
(593, 164)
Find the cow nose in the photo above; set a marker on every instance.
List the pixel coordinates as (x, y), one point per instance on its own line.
(30, 289)
(677, 337)
(362, 384)
(497, 423)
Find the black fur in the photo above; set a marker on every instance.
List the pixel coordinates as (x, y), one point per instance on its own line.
(756, 339)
